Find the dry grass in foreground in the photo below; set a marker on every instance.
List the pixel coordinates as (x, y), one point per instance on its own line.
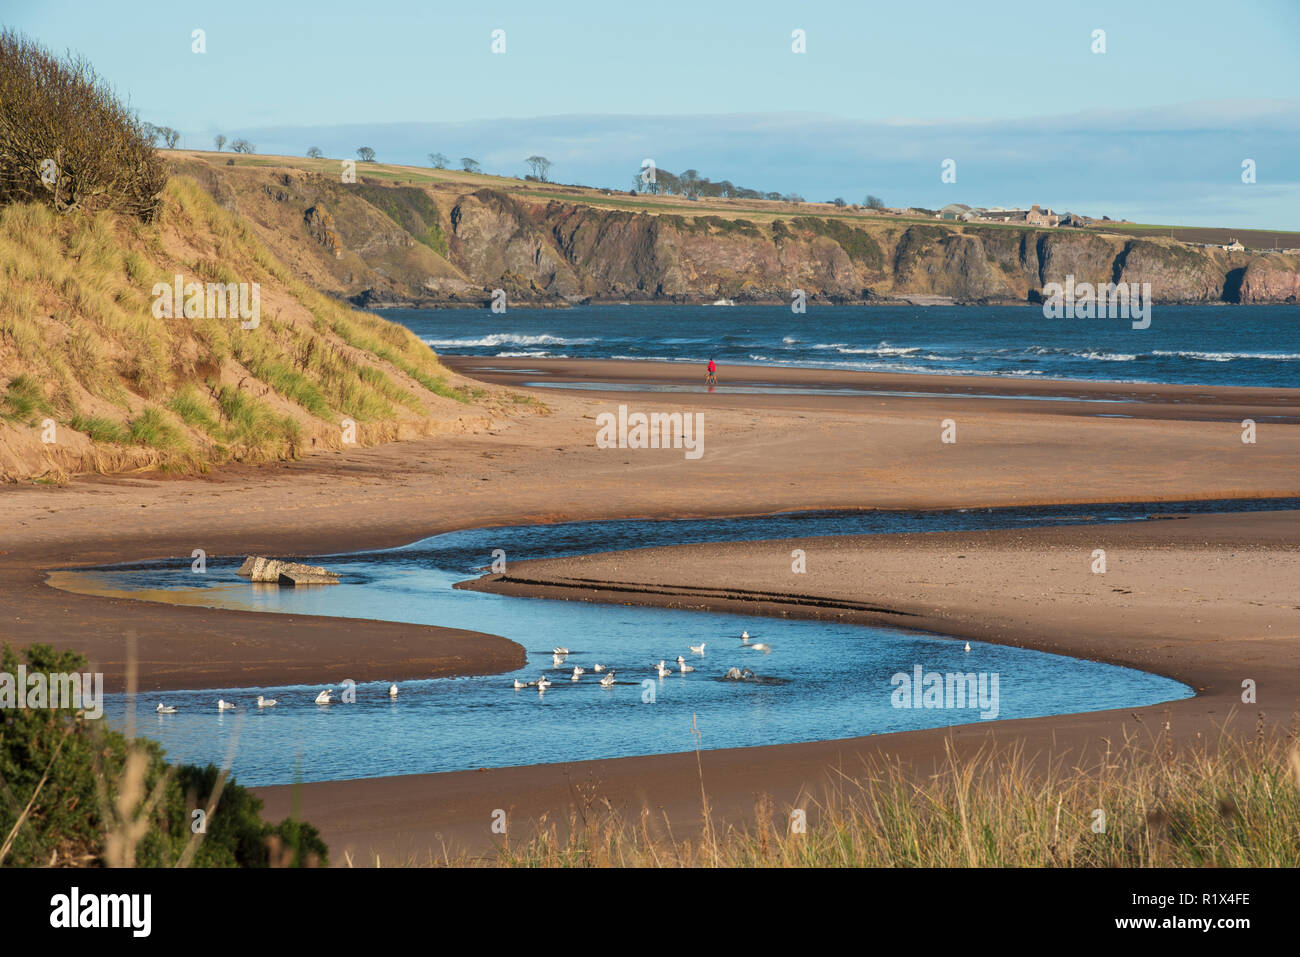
(1234, 804)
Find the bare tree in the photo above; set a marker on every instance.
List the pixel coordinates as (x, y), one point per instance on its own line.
(438, 161)
(219, 141)
(365, 154)
(540, 166)
(469, 165)
(170, 136)
(243, 146)
(875, 202)
(314, 152)
(66, 140)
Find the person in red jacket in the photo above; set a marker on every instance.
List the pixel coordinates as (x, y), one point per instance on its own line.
(712, 377)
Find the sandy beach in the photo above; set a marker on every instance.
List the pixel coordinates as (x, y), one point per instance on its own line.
(1208, 600)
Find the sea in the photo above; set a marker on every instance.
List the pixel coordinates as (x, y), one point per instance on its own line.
(1198, 345)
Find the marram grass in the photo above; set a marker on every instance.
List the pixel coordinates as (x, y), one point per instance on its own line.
(1234, 804)
(79, 343)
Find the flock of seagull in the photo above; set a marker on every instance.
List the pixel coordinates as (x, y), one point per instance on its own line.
(325, 697)
(558, 655)
(663, 669)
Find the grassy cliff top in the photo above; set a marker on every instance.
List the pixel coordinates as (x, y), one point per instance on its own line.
(457, 182)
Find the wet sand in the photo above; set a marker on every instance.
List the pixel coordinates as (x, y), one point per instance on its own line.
(800, 387)
(1209, 600)
(763, 454)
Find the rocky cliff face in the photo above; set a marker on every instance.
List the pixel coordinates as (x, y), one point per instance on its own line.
(381, 243)
(1270, 279)
(571, 252)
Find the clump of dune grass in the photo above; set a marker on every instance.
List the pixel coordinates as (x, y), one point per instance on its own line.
(1226, 804)
(153, 428)
(23, 399)
(195, 409)
(101, 429)
(253, 425)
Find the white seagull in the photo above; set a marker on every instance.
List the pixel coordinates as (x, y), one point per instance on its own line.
(759, 646)
(265, 702)
(521, 684)
(681, 663)
(324, 696)
(542, 683)
(225, 705)
(744, 636)
(561, 651)
(165, 709)
(698, 649)
(608, 680)
(968, 646)
(663, 671)
(558, 659)
(597, 668)
(578, 672)
(392, 691)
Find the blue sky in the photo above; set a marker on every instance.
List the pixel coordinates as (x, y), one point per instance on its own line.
(1154, 129)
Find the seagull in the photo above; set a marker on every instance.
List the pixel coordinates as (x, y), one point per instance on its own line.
(561, 651)
(698, 649)
(733, 673)
(597, 668)
(392, 691)
(968, 646)
(265, 702)
(681, 662)
(324, 696)
(542, 683)
(558, 659)
(225, 705)
(164, 709)
(759, 646)
(744, 636)
(663, 671)
(578, 672)
(521, 684)
(608, 680)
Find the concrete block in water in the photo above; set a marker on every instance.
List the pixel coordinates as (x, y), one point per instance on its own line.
(261, 569)
(291, 573)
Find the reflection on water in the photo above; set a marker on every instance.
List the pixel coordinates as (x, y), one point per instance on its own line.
(834, 679)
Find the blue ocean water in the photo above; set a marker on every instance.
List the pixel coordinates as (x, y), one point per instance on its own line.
(1204, 345)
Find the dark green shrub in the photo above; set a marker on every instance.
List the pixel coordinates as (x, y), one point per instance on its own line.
(73, 771)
